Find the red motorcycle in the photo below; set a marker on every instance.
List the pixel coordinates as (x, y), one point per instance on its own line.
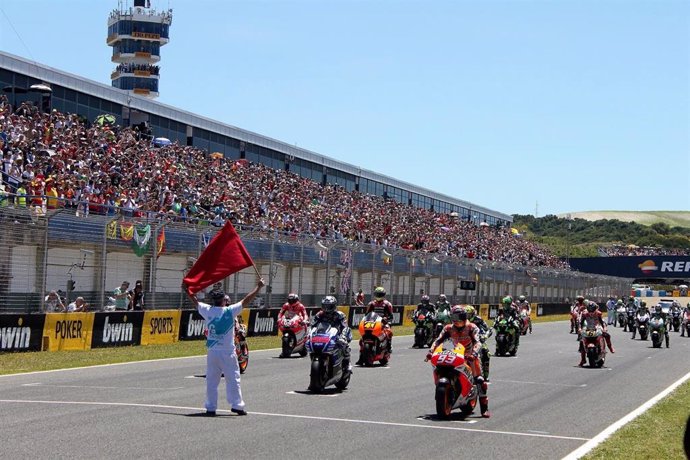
(294, 336)
(455, 387)
(524, 322)
(594, 345)
(241, 346)
(374, 341)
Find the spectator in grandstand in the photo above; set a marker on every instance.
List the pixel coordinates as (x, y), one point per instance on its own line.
(79, 305)
(122, 296)
(53, 303)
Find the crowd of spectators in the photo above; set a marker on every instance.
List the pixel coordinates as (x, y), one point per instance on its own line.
(632, 250)
(131, 68)
(52, 159)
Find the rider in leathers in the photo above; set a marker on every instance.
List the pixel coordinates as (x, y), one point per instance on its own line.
(442, 304)
(384, 309)
(426, 306)
(589, 319)
(523, 305)
(629, 307)
(461, 330)
(657, 313)
(508, 310)
(578, 308)
(685, 321)
(330, 314)
(293, 307)
(484, 329)
(641, 316)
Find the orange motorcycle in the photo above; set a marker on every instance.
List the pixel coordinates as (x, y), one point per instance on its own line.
(455, 387)
(374, 341)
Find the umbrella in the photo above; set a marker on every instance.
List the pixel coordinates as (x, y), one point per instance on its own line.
(683, 286)
(483, 224)
(47, 152)
(160, 141)
(105, 119)
(41, 88)
(217, 155)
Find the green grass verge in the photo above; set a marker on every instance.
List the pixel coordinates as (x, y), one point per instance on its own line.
(13, 363)
(658, 433)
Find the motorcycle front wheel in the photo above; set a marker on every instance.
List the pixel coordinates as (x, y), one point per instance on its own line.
(317, 377)
(444, 401)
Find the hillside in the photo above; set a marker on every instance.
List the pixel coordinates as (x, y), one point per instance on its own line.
(578, 237)
(670, 218)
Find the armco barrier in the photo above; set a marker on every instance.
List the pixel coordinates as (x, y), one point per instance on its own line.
(160, 327)
(21, 332)
(117, 329)
(68, 331)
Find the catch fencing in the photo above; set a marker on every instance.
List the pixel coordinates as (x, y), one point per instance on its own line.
(91, 256)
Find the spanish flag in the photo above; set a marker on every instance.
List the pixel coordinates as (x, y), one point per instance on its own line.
(126, 231)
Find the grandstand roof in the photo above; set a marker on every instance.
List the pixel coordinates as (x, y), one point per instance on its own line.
(58, 77)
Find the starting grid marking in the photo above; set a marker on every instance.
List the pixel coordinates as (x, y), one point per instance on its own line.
(294, 416)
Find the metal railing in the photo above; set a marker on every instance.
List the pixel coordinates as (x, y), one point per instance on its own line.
(49, 250)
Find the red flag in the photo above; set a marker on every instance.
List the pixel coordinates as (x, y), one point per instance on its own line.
(223, 256)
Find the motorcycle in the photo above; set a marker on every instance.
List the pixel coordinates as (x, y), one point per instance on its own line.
(620, 312)
(442, 318)
(424, 327)
(675, 320)
(524, 322)
(630, 320)
(642, 328)
(293, 332)
(374, 341)
(455, 386)
(241, 347)
(594, 345)
(506, 335)
(658, 331)
(327, 359)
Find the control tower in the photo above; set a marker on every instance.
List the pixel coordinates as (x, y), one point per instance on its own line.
(136, 35)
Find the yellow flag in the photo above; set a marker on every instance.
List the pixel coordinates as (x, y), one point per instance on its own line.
(111, 230)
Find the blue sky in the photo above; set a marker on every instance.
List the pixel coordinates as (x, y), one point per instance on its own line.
(574, 105)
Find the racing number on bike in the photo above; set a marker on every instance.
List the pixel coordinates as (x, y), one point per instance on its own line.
(447, 357)
(369, 324)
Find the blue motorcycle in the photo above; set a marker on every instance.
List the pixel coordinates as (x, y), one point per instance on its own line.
(326, 359)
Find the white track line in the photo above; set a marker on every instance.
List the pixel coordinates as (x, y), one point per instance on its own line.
(38, 384)
(304, 417)
(541, 383)
(598, 439)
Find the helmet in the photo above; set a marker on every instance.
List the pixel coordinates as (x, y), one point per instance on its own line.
(643, 304)
(442, 297)
(425, 299)
(217, 296)
(591, 307)
(470, 312)
(580, 298)
(329, 304)
(507, 300)
(292, 297)
(522, 298)
(620, 302)
(458, 313)
(379, 292)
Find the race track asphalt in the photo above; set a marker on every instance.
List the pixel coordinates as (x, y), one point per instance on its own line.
(543, 406)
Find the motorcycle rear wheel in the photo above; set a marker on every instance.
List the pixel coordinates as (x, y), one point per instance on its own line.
(443, 401)
(303, 352)
(344, 381)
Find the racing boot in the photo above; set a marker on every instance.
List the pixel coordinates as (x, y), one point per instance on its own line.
(583, 359)
(360, 361)
(634, 334)
(607, 337)
(666, 340)
(483, 399)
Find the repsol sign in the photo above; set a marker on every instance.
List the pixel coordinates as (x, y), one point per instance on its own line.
(21, 332)
(263, 322)
(117, 329)
(638, 267)
(192, 326)
(160, 326)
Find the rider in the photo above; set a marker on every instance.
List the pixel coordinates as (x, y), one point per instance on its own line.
(442, 304)
(426, 306)
(508, 311)
(293, 307)
(461, 330)
(657, 313)
(642, 315)
(330, 315)
(630, 310)
(523, 305)
(685, 321)
(577, 309)
(484, 332)
(591, 317)
(384, 309)
(359, 300)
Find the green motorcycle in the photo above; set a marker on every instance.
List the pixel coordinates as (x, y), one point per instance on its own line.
(506, 338)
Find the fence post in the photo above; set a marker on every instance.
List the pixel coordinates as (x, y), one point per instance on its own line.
(104, 256)
(45, 266)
